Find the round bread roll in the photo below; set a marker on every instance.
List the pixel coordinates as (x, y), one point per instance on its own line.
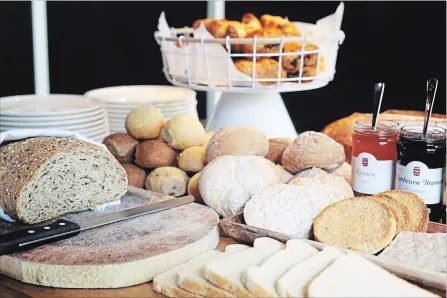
(167, 180)
(228, 182)
(145, 122)
(361, 224)
(313, 149)
(122, 146)
(192, 159)
(236, 140)
(288, 209)
(207, 139)
(193, 188)
(153, 154)
(182, 132)
(135, 175)
(276, 149)
(319, 177)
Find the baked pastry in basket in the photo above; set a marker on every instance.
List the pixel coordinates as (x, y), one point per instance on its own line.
(292, 63)
(263, 48)
(286, 26)
(266, 68)
(308, 71)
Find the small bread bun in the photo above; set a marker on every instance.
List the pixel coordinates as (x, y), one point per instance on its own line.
(313, 149)
(361, 224)
(122, 146)
(236, 140)
(153, 154)
(276, 148)
(135, 175)
(182, 132)
(192, 159)
(193, 188)
(167, 180)
(145, 122)
(207, 139)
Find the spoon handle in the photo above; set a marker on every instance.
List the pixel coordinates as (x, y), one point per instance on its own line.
(379, 88)
(432, 86)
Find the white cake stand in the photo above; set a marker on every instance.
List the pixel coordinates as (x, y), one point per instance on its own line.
(194, 63)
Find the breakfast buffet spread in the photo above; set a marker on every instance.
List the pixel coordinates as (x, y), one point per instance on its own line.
(352, 211)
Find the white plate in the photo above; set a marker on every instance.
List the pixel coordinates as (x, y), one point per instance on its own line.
(27, 123)
(120, 113)
(141, 94)
(53, 118)
(101, 122)
(47, 105)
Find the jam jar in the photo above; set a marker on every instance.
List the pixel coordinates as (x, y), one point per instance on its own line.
(373, 156)
(421, 165)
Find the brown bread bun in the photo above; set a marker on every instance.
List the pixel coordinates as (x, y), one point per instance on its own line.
(122, 146)
(153, 154)
(135, 175)
(276, 148)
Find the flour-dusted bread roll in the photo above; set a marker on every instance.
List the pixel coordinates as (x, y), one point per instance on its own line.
(122, 146)
(145, 122)
(276, 149)
(135, 175)
(154, 154)
(289, 209)
(193, 188)
(192, 159)
(228, 182)
(319, 177)
(167, 180)
(44, 177)
(183, 131)
(313, 149)
(283, 175)
(237, 140)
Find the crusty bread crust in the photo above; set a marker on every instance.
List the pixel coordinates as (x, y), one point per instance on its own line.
(361, 224)
(417, 210)
(24, 162)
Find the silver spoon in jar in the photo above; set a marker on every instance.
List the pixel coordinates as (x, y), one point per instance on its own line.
(379, 88)
(432, 86)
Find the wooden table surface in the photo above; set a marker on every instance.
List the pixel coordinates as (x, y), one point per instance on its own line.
(11, 288)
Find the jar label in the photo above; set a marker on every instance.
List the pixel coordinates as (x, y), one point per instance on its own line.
(370, 176)
(417, 178)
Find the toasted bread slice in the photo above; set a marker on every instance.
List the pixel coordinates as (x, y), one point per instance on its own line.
(417, 210)
(399, 211)
(361, 224)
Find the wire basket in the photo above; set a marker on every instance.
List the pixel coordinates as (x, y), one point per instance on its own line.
(266, 64)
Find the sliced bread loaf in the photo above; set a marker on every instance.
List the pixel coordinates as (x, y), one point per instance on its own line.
(417, 210)
(399, 211)
(354, 276)
(44, 177)
(361, 224)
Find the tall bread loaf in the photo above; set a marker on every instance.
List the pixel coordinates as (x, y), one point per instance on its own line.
(44, 177)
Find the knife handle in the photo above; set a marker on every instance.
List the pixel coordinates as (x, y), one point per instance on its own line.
(31, 237)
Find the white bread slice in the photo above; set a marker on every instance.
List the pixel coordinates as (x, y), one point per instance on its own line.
(226, 272)
(166, 283)
(354, 276)
(260, 280)
(294, 282)
(190, 278)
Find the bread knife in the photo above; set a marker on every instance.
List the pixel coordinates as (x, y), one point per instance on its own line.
(35, 236)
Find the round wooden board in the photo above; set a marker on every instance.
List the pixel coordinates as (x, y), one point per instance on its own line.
(118, 255)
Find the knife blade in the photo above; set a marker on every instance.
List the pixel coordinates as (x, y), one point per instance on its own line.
(31, 237)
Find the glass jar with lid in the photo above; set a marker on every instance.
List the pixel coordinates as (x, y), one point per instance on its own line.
(373, 156)
(421, 165)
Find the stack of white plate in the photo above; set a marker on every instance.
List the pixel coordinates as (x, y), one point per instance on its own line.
(172, 101)
(76, 113)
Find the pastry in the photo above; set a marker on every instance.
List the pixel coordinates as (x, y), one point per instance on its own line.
(287, 27)
(265, 69)
(292, 63)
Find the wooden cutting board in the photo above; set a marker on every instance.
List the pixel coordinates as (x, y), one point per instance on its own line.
(118, 255)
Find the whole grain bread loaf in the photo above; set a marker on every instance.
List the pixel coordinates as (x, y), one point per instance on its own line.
(44, 177)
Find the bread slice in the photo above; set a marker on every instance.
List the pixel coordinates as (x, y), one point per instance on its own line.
(166, 283)
(226, 272)
(423, 250)
(294, 282)
(191, 279)
(416, 207)
(260, 280)
(361, 224)
(399, 211)
(289, 209)
(354, 276)
(44, 177)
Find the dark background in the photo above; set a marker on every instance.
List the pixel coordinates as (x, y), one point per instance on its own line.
(97, 44)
